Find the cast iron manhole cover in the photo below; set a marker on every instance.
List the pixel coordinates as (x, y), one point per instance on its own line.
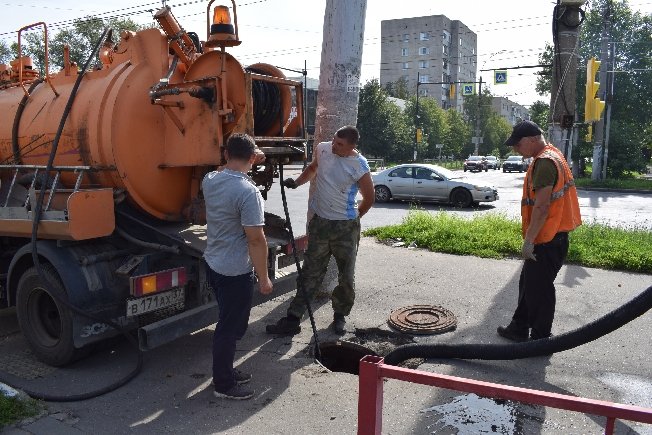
(423, 319)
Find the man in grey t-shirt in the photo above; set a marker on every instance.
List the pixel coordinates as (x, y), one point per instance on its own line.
(339, 172)
(236, 246)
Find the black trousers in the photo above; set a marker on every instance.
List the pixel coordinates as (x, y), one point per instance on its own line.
(536, 289)
(234, 295)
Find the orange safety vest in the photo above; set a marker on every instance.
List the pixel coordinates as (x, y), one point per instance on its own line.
(564, 214)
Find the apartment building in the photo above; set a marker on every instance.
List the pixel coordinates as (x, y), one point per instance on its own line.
(511, 111)
(429, 49)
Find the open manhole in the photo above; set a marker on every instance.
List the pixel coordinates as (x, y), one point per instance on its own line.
(345, 356)
(423, 319)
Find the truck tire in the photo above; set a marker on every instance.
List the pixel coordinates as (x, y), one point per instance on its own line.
(45, 322)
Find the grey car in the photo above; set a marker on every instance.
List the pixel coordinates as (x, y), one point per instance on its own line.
(493, 162)
(515, 163)
(429, 183)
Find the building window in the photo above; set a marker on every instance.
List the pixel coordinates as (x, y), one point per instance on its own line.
(423, 64)
(447, 36)
(423, 78)
(424, 50)
(406, 65)
(404, 78)
(405, 51)
(423, 92)
(406, 38)
(460, 41)
(424, 36)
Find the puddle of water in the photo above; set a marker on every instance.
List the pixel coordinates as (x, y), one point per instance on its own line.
(633, 390)
(471, 415)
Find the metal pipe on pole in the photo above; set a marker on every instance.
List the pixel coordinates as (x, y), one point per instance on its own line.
(609, 100)
(478, 118)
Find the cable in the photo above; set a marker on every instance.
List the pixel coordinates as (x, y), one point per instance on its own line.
(39, 268)
(296, 261)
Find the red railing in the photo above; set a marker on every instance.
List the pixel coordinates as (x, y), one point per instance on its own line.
(370, 399)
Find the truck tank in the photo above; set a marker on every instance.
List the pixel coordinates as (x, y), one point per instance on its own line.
(148, 123)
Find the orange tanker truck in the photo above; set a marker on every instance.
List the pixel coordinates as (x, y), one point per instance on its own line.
(121, 218)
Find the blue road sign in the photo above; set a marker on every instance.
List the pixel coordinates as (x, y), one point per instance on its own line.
(500, 77)
(468, 89)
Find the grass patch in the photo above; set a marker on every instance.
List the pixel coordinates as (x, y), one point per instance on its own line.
(632, 183)
(494, 235)
(14, 408)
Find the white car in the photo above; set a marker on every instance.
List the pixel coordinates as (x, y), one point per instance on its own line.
(429, 183)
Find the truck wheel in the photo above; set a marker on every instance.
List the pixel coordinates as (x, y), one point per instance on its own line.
(461, 197)
(45, 322)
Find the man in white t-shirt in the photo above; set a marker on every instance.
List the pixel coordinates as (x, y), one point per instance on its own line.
(339, 172)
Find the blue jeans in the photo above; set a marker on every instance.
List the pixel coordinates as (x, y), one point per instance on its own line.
(233, 295)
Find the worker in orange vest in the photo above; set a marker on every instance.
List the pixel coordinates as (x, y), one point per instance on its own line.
(549, 211)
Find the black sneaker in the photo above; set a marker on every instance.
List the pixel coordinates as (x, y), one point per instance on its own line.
(285, 326)
(241, 377)
(509, 333)
(339, 323)
(236, 392)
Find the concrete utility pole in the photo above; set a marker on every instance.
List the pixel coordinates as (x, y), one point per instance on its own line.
(567, 18)
(598, 128)
(339, 80)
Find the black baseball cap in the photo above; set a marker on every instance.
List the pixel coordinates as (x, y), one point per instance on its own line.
(521, 130)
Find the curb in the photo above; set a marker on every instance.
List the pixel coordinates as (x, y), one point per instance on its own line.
(606, 189)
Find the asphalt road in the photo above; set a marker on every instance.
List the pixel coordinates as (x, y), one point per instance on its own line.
(611, 208)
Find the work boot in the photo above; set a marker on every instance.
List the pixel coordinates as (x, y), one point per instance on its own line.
(242, 377)
(510, 333)
(339, 323)
(287, 325)
(236, 392)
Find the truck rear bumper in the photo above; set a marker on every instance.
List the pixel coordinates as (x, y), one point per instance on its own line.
(171, 328)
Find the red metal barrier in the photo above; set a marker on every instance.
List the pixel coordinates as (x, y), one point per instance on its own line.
(370, 398)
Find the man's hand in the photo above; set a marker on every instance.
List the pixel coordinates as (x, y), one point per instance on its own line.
(290, 183)
(259, 157)
(527, 250)
(265, 286)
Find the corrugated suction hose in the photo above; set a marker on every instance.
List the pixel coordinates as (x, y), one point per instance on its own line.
(559, 343)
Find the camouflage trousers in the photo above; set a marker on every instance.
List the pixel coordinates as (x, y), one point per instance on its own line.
(325, 238)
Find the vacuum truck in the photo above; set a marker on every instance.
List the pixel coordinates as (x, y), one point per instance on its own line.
(120, 216)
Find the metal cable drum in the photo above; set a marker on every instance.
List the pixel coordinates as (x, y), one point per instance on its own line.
(270, 101)
(423, 319)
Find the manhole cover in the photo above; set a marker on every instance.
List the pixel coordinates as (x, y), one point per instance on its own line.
(423, 319)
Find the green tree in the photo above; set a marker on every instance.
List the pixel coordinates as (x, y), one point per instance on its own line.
(432, 120)
(544, 81)
(5, 53)
(631, 106)
(494, 128)
(539, 112)
(398, 89)
(383, 131)
(459, 134)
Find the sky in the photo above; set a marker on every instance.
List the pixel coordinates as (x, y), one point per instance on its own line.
(287, 33)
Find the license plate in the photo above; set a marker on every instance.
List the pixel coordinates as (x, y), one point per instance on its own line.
(155, 301)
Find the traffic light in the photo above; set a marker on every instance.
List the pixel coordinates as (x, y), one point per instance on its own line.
(418, 135)
(589, 137)
(593, 106)
(451, 91)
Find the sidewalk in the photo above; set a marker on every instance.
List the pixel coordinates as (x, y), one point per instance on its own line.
(295, 396)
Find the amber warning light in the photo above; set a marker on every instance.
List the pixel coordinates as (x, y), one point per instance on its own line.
(156, 282)
(221, 30)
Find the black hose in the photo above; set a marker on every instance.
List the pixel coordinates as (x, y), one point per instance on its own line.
(288, 225)
(50, 288)
(267, 103)
(19, 114)
(558, 343)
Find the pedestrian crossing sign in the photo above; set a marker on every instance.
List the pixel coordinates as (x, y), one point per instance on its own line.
(500, 77)
(468, 89)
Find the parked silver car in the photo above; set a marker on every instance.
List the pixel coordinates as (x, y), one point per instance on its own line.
(429, 183)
